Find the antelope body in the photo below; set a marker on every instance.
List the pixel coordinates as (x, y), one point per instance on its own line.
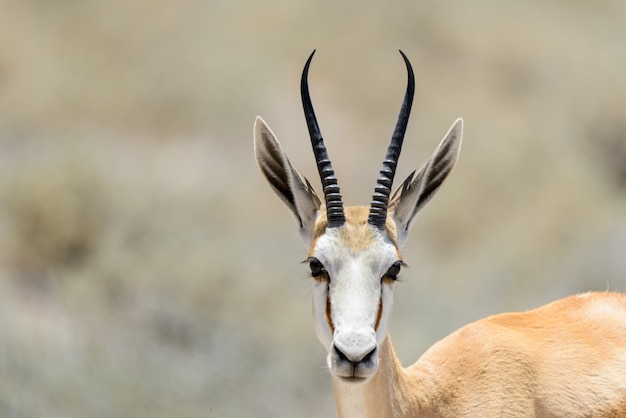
(565, 359)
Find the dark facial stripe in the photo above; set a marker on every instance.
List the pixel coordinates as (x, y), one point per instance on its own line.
(329, 317)
(379, 314)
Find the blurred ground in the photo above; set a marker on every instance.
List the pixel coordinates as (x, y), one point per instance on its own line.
(146, 270)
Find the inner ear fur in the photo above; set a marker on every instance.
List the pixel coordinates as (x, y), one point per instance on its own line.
(421, 185)
(289, 185)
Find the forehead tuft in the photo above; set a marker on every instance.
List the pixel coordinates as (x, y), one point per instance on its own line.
(356, 234)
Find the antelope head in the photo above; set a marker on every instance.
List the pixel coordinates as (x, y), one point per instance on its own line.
(354, 252)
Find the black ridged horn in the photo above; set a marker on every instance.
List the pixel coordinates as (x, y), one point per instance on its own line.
(380, 199)
(332, 196)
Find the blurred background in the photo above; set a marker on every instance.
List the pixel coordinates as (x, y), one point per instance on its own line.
(147, 270)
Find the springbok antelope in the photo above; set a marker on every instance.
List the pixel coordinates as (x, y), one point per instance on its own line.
(565, 359)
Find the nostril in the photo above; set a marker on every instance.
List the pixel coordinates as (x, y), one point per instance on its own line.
(369, 356)
(354, 357)
(341, 355)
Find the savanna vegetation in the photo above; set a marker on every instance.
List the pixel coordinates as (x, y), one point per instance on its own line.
(146, 269)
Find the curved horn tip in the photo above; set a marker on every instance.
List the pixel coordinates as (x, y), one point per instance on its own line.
(310, 57)
(406, 60)
(305, 72)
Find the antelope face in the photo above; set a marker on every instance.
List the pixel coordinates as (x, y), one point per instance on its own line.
(353, 268)
(354, 257)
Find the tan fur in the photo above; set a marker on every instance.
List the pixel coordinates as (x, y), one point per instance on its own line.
(565, 359)
(355, 234)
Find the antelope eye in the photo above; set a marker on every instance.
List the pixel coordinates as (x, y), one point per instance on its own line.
(394, 270)
(317, 268)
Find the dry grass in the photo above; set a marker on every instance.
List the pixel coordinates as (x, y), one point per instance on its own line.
(147, 270)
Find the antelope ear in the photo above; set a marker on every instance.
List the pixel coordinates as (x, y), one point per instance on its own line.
(419, 188)
(290, 186)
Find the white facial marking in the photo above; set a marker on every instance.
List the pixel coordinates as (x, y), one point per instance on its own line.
(356, 294)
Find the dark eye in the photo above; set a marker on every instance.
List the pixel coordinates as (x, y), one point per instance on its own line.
(394, 270)
(317, 268)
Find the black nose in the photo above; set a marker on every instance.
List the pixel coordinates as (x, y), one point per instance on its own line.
(353, 358)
